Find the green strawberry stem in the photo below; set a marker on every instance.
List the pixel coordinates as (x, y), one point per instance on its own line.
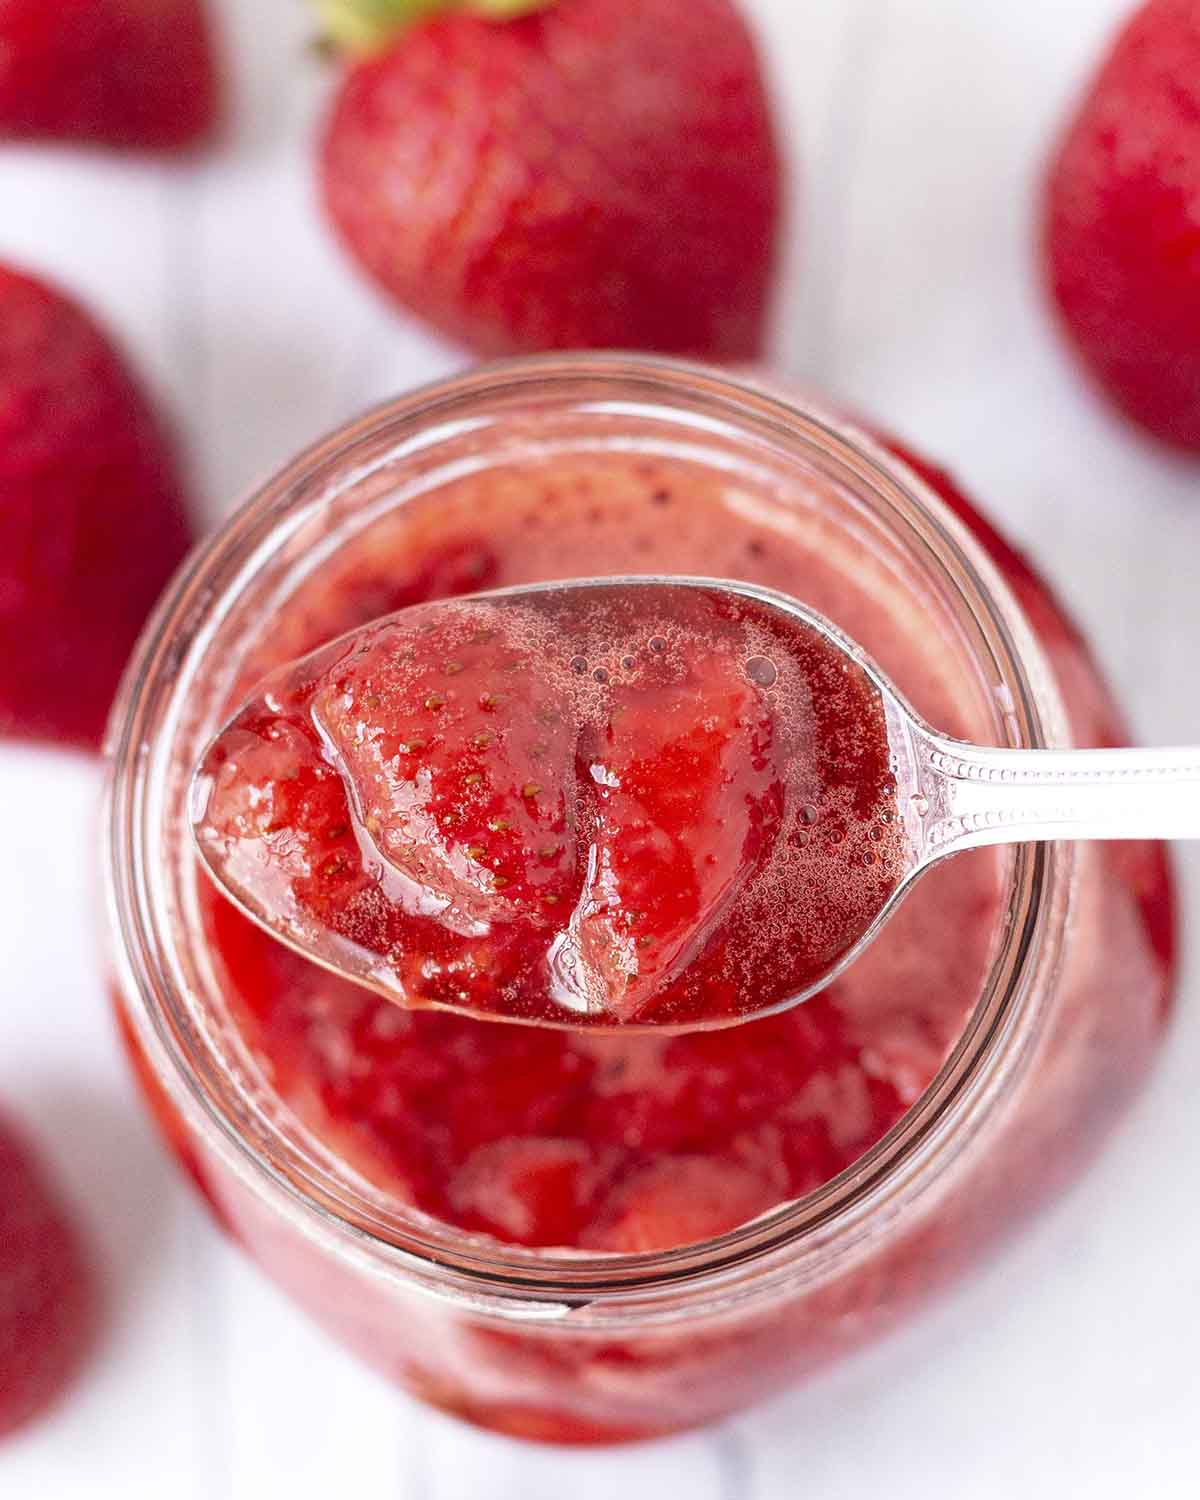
(364, 24)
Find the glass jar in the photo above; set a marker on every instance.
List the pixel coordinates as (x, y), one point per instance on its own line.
(573, 1346)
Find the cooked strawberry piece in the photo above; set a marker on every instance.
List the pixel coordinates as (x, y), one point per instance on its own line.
(680, 1201)
(530, 1190)
(687, 799)
(459, 754)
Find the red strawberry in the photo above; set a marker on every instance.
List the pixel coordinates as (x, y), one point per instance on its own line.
(108, 72)
(673, 843)
(92, 521)
(47, 1299)
(599, 173)
(1122, 223)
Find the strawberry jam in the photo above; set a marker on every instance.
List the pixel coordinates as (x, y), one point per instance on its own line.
(505, 1167)
(641, 802)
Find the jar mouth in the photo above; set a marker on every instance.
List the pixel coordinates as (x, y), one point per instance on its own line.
(153, 703)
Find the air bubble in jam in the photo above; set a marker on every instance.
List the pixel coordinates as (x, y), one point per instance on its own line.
(675, 892)
(762, 671)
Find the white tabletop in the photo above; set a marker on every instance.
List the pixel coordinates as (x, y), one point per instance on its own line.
(918, 128)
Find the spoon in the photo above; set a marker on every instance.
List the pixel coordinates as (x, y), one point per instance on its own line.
(713, 725)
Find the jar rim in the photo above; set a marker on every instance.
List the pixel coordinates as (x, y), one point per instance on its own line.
(451, 1262)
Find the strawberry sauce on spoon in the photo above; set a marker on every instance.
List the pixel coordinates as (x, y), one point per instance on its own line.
(637, 802)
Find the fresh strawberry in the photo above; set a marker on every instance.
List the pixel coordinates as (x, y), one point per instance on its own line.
(597, 173)
(129, 73)
(92, 521)
(1122, 223)
(685, 754)
(47, 1298)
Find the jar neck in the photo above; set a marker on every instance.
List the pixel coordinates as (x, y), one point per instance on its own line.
(174, 688)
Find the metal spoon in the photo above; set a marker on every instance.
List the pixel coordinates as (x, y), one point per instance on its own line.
(951, 796)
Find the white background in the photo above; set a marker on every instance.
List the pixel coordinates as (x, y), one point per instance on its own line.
(917, 130)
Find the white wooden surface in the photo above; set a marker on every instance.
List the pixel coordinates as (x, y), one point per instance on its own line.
(917, 128)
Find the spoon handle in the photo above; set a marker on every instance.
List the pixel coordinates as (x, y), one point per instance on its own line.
(971, 795)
